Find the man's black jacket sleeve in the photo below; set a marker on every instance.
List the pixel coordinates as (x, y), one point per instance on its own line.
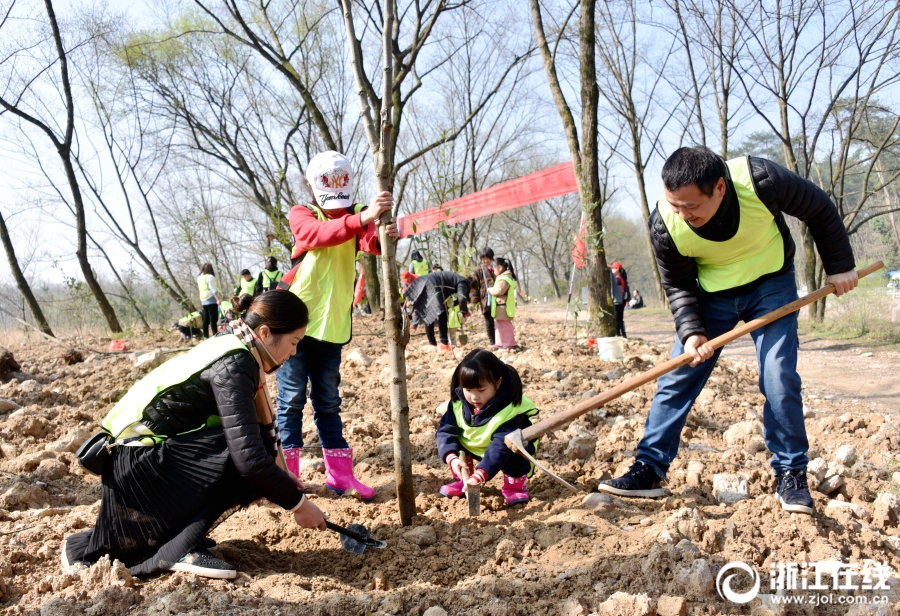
(785, 191)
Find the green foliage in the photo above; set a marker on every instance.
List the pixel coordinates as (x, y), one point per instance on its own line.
(885, 231)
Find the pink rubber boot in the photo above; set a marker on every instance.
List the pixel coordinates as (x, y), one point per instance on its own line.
(455, 489)
(339, 473)
(514, 490)
(292, 460)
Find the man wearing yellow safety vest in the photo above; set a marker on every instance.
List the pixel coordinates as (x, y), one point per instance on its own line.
(725, 254)
(328, 234)
(246, 285)
(269, 277)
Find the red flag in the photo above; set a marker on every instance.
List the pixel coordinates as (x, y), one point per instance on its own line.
(579, 250)
(545, 184)
(360, 289)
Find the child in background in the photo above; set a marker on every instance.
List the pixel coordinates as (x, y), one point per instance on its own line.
(503, 308)
(486, 404)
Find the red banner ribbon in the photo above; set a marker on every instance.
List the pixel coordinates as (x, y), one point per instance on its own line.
(545, 184)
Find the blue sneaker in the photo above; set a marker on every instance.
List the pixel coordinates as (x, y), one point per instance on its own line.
(793, 492)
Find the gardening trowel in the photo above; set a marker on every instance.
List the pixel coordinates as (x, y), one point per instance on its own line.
(462, 337)
(355, 538)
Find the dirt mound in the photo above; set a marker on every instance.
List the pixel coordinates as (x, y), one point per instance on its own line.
(561, 553)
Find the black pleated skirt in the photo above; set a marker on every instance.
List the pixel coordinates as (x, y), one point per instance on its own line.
(158, 503)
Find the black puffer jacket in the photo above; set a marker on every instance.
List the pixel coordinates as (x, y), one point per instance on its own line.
(782, 192)
(227, 388)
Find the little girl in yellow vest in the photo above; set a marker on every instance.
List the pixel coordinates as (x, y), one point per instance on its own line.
(504, 308)
(486, 403)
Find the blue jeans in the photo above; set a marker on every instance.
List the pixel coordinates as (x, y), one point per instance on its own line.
(776, 352)
(318, 364)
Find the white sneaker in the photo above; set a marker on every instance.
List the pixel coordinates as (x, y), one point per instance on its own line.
(201, 562)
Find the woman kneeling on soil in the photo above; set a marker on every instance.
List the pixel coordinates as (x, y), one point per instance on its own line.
(486, 404)
(161, 494)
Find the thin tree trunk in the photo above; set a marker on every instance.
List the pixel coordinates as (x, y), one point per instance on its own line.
(396, 326)
(21, 282)
(373, 281)
(584, 156)
(639, 171)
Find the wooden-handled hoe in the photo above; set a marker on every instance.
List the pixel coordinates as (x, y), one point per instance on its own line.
(518, 439)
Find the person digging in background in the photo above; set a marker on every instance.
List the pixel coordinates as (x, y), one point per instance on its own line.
(486, 403)
(246, 285)
(503, 306)
(482, 280)
(209, 298)
(725, 255)
(328, 234)
(189, 325)
(431, 297)
(269, 277)
(618, 281)
(161, 495)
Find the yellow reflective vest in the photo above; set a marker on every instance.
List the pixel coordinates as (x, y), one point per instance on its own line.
(476, 439)
(510, 297)
(325, 283)
(420, 268)
(755, 250)
(124, 420)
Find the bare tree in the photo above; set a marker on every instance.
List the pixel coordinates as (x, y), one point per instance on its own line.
(584, 150)
(61, 136)
(790, 66)
(623, 56)
(395, 323)
(21, 281)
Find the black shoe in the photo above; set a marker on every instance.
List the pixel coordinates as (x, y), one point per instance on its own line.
(640, 480)
(201, 562)
(207, 543)
(793, 492)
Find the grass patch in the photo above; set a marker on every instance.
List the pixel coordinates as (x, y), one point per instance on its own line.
(866, 315)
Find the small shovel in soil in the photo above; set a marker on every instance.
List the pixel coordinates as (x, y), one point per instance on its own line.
(473, 493)
(462, 337)
(355, 538)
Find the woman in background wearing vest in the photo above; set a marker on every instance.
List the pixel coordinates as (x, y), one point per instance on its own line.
(161, 495)
(269, 277)
(209, 298)
(503, 308)
(486, 404)
(418, 266)
(328, 234)
(482, 280)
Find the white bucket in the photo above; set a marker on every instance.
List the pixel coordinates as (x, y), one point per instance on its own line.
(610, 349)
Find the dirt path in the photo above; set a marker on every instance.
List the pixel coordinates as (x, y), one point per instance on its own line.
(843, 369)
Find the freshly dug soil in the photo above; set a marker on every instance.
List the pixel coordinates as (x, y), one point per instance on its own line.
(560, 554)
